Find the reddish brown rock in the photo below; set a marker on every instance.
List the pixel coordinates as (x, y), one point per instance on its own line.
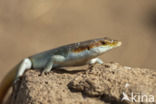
(100, 84)
(112, 82)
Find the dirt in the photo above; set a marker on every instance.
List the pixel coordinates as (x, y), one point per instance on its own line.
(101, 84)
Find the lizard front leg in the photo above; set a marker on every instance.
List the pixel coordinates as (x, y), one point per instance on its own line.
(56, 59)
(48, 66)
(95, 60)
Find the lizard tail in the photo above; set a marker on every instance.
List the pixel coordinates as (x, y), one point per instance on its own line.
(7, 82)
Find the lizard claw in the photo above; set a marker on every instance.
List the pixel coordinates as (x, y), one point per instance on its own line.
(44, 73)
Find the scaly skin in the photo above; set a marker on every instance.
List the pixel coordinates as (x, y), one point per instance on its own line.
(75, 54)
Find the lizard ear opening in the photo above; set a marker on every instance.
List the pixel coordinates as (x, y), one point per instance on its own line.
(88, 48)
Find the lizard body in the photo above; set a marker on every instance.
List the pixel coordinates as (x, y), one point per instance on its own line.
(75, 54)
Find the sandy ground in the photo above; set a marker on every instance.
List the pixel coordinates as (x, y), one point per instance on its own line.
(31, 26)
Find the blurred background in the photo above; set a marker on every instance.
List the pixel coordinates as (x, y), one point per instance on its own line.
(31, 26)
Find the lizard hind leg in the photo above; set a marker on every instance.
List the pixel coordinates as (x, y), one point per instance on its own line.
(24, 65)
(95, 60)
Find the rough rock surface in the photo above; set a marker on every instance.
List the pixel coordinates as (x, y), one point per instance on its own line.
(101, 84)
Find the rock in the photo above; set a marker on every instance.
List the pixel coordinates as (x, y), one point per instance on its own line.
(115, 83)
(109, 83)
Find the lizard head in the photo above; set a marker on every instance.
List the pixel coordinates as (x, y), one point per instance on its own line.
(99, 46)
(95, 47)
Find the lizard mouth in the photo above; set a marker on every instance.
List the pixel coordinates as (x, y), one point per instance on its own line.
(116, 44)
(113, 43)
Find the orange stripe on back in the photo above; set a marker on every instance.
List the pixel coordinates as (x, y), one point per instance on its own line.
(87, 47)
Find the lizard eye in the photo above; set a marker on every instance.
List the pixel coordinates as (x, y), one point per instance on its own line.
(103, 42)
